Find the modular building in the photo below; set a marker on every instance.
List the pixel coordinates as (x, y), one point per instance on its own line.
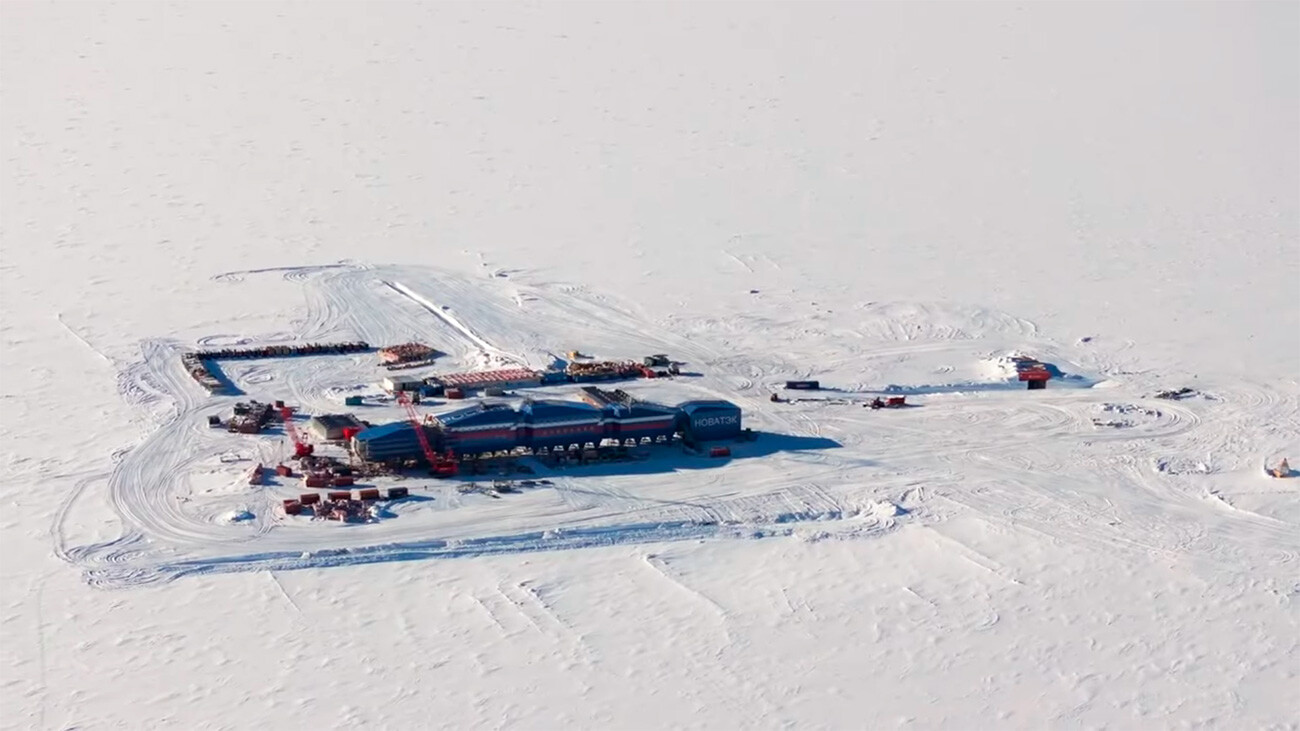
(333, 427)
(706, 421)
(641, 420)
(394, 384)
(550, 424)
(503, 378)
(483, 427)
(394, 442)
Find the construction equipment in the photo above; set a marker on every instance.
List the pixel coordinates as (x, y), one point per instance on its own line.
(300, 446)
(438, 465)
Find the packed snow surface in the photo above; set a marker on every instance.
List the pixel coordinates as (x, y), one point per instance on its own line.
(895, 200)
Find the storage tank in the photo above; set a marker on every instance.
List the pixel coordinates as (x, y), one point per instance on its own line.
(706, 421)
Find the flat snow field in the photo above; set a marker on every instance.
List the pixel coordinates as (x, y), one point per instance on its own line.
(893, 199)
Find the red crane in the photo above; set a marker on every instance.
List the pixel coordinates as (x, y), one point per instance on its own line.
(300, 446)
(442, 466)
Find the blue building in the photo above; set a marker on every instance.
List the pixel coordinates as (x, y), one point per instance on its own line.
(706, 421)
(640, 420)
(483, 427)
(550, 424)
(393, 442)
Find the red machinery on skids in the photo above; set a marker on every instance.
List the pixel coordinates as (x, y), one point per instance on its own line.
(439, 465)
(300, 446)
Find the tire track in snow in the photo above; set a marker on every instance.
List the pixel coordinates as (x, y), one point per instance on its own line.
(457, 325)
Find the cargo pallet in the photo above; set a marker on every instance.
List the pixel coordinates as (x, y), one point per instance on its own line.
(340, 506)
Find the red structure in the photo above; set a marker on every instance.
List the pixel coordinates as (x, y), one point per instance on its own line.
(405, 353)
(483, 379)
(1031, 369)
(300, 446)
(440, 466)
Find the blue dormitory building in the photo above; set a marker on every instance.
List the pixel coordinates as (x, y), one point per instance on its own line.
(548, 424)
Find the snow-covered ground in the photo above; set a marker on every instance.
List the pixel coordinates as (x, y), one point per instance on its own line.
(890, 199)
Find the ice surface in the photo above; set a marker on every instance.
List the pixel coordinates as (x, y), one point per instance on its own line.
(864, 194)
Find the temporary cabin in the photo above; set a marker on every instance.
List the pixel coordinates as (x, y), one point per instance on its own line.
(332, 427)
(394, 384)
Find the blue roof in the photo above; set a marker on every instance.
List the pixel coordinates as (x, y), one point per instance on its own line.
(691, 407)
(550, 409)
(480, 413)
(644, 408)
(383, 430)
(543, 405)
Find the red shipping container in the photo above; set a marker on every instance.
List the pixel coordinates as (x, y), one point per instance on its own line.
(284, 470)
(370, 493)
(309, 498)
(292, 507)
(336, 496)
(454, 393)
(896, 401)
(316, 481)
(343, 481)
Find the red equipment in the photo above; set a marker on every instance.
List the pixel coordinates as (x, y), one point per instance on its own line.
(300, 446)
(438, 465)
